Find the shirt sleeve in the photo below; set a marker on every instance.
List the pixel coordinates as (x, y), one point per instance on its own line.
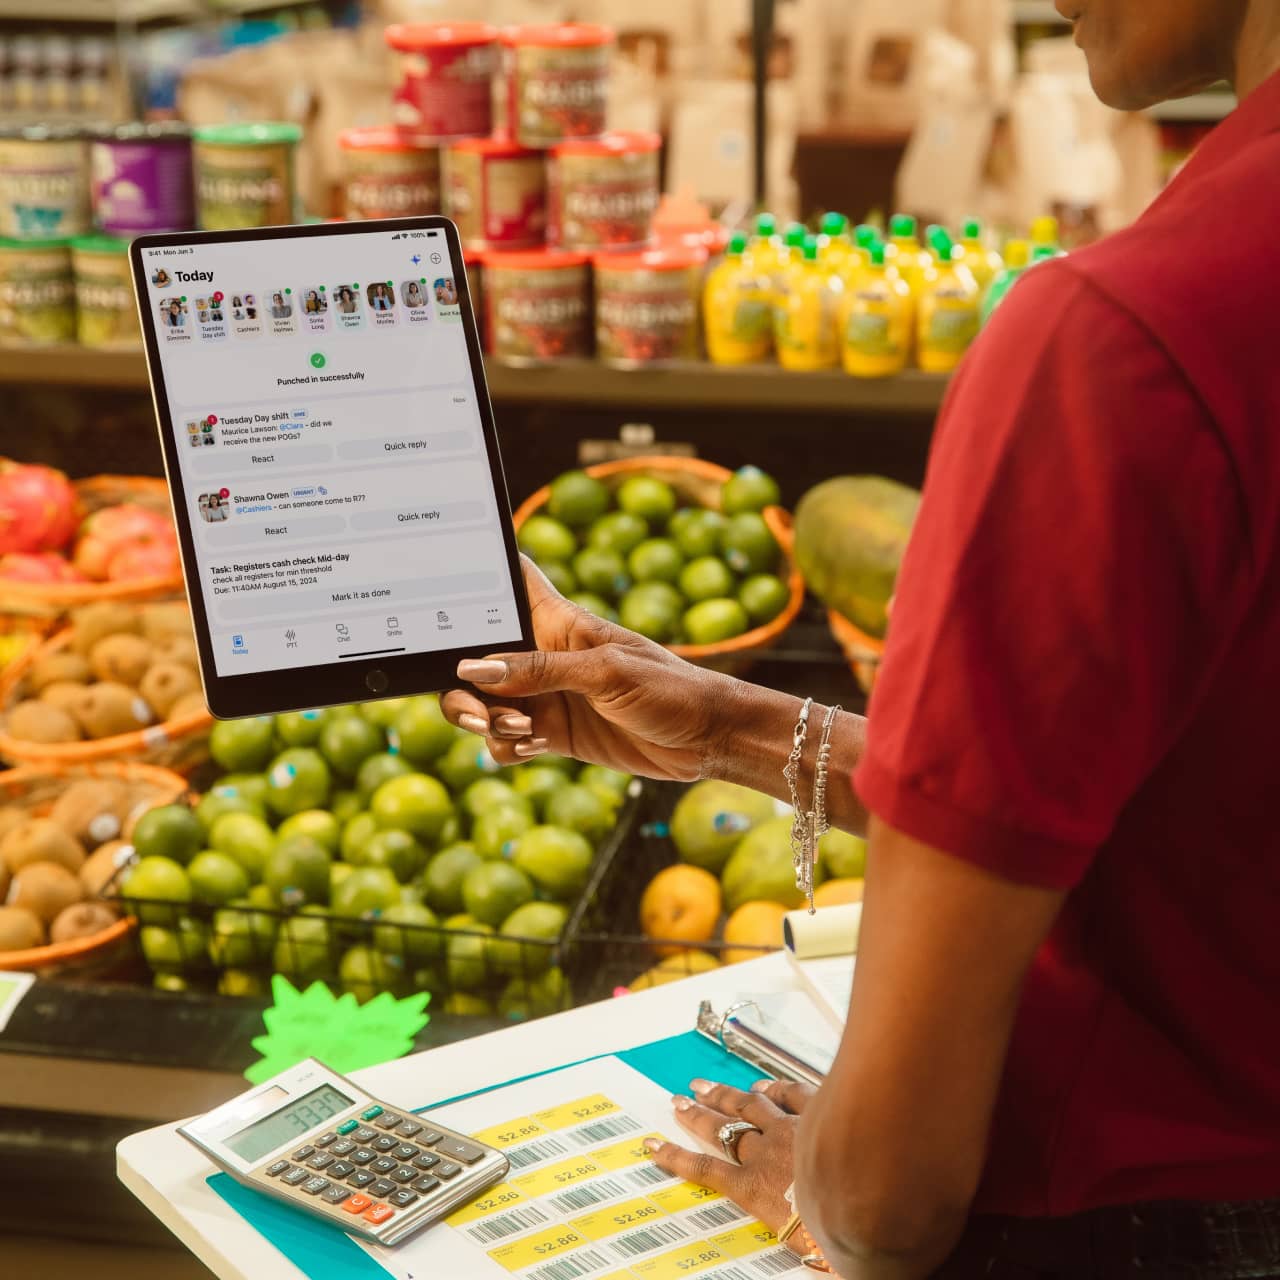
(1077, 565)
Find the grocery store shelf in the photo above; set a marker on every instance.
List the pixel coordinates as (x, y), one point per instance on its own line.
(1212, 105)
(573, 382)
(130, 11)
(1035, 11)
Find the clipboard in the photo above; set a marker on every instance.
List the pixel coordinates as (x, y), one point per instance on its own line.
(744, 1031)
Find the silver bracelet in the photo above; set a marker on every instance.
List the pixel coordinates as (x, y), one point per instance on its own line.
(800, 819)
(808, 826)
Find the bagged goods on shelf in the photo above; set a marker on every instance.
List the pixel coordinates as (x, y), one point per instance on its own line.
(883, 82)
(987, 27)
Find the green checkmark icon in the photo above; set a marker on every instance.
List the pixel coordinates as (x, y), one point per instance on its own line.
(317, 361)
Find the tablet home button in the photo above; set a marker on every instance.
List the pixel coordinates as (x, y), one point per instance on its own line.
(376, 681)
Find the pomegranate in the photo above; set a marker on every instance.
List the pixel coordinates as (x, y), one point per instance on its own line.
(39, 508)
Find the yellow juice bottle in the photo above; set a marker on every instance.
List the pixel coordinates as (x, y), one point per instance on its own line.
(806, 314)
(737, 308)
(947, 312)
(875, 319)
(835, 243)
(905, 252)
(983, 263)
(1017, 257)
(764, 250)
(1044, 239)
(864, 239)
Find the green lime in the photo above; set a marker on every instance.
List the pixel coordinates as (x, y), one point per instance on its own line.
(494, 793)
(493, 890)
(398, 851)
(415, 803)
(451, 832)
(261, 898)
(378, 769)
(556, 860)
(156, 880)
(749, 489)
(550, 760)
(605, 781)
(318, 824)
(367, 892)
(529, 929)
(170, 950)
(300, 728)
(304, 950)
(253, 786)
(467, 761)
(706, 578)
(344, 805)
(593, 603)
(696, 531)
(560, 576)
(578, 808)
(542, 538)
(409, 930)
(243, 745)
(356, 836)
(297, 872)
(714, 621)
(169, 831)
(763, 597)
(747, 545)
(366, 973)
(649, 498)
(619, 531)
(652, 609)
(338, 872)
(467, 957)
(242, 984)
(656, 560)
(843, 856)
(246, 838)
(384, 712)
(444, 875)
(297, 779)
(219, 800)
(421, 733)
(711, 818)
(496, 830)
(241, 939)
(346, 742)
(601, 572)
(216, 878)
(524, 997)
(536, 783)
(577, 499)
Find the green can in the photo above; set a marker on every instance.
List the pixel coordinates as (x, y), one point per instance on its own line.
(37, 293)
(105, 312)
(245, 177)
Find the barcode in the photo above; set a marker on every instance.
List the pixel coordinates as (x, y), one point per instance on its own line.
(646, 1239)
(614, 1127)
(506, 1224)
(716, 1215)
(583, 1263)
(777, 1262)
(534, 1152)
(584, 1197)
(646, 1175)
(725, 1273)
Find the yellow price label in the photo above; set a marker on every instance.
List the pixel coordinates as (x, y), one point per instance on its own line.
(741, 1242)
(622, 1155)
(686, 1261)
(571, 1113)
(546, 1244)
(507, 1135)
(555, 1176)
(617, 1217)
(502, 1196)
(684, 1196)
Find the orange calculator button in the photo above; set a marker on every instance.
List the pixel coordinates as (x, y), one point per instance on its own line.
(379, 1214)
(356, 1204)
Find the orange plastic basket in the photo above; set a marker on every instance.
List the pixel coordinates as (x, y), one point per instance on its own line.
(862, 651)
(699, 483)
(35, 790)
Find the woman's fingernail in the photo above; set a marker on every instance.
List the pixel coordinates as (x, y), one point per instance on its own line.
(680, 1102)
(482, 670)
(700, 1086)
(533, 747)
(474, 724)
(761, 1086)
(653, 1144)
(518, 726)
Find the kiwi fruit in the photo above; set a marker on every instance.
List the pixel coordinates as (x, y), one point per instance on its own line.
(54, 667)
(40, 722)
(93, 810)
(165, 621)
(81, 921)
(45, 889)
(189, 705)
(63, 694)
(178, 649)
(107, 709)
(40, 840)
(101, 866)
(19, 929)
(124, 659)
(97, 621)
(165, 684)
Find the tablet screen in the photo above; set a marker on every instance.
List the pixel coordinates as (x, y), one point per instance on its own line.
(331, 449)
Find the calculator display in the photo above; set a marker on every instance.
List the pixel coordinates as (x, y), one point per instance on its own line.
(307, 1113)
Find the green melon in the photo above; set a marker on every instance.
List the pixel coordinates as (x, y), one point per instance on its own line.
(851, 533)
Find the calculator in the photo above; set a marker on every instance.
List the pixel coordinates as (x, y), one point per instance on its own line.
(319, 1142)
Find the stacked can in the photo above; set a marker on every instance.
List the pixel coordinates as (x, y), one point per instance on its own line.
(140, 178)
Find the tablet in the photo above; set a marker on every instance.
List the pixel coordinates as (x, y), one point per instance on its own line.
(332, 458)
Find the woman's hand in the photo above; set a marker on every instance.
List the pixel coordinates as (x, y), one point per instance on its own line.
(767, 1167)
(594, 691)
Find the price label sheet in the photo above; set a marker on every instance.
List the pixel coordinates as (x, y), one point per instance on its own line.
(584, 1200)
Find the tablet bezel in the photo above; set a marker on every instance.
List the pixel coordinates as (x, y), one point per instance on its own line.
(353, 680)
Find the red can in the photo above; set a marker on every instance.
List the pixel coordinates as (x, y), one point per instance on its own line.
(496, 191)
(386, 176)
(604, 191)
(445, 85)
(538, 305)
(556, 82)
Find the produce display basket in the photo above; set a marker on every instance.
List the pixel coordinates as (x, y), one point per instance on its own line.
(51, 599)
(698, 483)
(863, 652)
(181, 743)
(34, 790)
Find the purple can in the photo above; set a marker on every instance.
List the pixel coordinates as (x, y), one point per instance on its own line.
(141, 179)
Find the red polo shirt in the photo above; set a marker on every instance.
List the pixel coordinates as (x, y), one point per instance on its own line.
(1082, 687)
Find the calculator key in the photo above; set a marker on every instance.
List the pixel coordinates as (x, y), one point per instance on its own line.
(446, 1170)
(425, 1183)
(372, 1113)
(356, 1204)
(384, 1144)
(348, 1126)
(321, 1161)
(334, 1194)
(314, 1186)
(362, 1155)
(431, 1137)
(383, 1164)
(341, 1169)
(405, 1152)
(403, 1198)
(280, 1166)
(382, 1188)
(457, 1149)
(407, 1128)
(426, 1161)
(389, 1121)
(294, 1177)
(404, 1174)
(363, 1135)
(325, 1139)
(342, 1147)
(379, 1214)
(361, 1178)
(304, 1153)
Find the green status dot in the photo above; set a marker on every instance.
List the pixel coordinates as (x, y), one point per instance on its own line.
(288, 291)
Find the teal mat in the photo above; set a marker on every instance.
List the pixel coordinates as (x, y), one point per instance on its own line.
(322, 1252)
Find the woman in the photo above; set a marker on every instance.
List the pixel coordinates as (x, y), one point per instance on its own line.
(173, 314)
(347, 301)
(380, 297)
(279, 309)
(413, 295)
(314, 304)
(1062, 1056)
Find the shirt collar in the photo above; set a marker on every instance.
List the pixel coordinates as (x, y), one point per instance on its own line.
(1256, 116)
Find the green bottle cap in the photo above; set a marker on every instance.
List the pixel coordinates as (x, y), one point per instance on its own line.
(972, 229)
(811, 248)
(266, 133)
(766, 225)
(794, 235)
(940, 242)
(737, 245)
(902, 226)
(877, 253)
(1042, 251)
(865, 236)
(834, 224)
